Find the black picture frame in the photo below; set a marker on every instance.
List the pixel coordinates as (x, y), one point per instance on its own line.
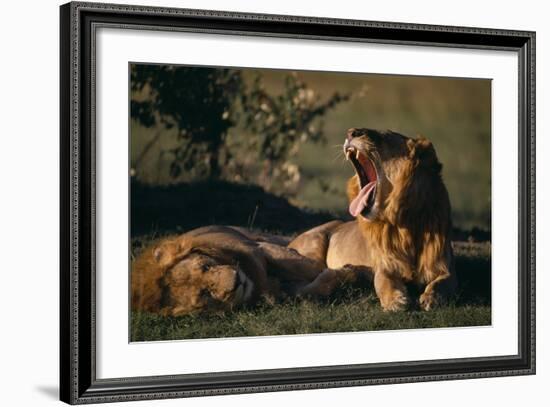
(78, 382)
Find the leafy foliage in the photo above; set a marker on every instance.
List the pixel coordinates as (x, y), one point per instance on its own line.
(279, 125)
(225, 127)
(194, 100)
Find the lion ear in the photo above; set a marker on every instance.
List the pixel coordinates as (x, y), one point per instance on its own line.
(158, 253)
(422, 151)
(169, 252)
(163, 254)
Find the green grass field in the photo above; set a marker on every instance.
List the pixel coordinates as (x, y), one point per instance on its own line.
(304, 317)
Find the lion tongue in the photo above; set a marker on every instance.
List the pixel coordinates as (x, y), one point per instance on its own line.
(360, 202)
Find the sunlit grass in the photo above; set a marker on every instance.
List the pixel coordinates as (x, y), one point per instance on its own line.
(359, 313)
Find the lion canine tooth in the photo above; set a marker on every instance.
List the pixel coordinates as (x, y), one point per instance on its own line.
(357, 155)
(348, 152)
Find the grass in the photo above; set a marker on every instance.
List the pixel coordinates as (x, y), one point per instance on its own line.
(303, 317)
(351, 309)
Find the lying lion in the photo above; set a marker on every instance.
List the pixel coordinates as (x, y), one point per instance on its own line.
(403, 220)
(220, 268)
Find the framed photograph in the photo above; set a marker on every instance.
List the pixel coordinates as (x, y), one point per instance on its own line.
(254, 203)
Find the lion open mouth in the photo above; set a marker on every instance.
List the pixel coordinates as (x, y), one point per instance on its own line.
(366, 172)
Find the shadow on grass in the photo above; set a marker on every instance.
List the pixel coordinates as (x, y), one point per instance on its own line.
(170, 209)
(473, 267)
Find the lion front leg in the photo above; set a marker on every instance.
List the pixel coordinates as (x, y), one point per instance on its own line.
(437, 291)
(328, 281)
(441, 280)
(391, 291)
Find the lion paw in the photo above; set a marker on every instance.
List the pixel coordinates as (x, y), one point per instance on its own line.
(428, 301)
(398, 302)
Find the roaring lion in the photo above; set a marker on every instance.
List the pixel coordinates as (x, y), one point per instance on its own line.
(220, 268)
(402, 220)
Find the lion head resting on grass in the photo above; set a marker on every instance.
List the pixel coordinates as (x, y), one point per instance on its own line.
(213, 268)
(218, 268)
(403, 219)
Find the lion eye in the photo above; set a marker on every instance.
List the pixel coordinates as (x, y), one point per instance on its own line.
(205, 267)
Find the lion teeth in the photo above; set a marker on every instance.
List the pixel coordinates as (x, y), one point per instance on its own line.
(348, 153)
(357, 155)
